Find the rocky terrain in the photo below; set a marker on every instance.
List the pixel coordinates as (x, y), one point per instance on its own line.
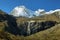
(46, 27)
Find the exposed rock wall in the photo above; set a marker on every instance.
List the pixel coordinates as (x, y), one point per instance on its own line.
(28, 28)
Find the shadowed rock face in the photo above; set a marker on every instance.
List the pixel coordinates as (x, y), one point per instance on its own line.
(35, 27)
(26, 28)
(9, 22)
(40, 26)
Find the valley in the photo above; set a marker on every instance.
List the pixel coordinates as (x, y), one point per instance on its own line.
(44, 27)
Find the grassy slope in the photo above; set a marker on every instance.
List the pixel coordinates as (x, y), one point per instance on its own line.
(51, 17)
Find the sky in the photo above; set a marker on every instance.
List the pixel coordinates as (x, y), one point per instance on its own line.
(9, 5)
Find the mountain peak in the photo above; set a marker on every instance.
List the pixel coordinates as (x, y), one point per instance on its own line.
(22, 6)
(21, 11)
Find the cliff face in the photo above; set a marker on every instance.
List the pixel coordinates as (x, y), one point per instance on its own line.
(8, 21)
(28, 28)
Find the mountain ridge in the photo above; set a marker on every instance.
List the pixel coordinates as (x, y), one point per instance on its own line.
(25, 12)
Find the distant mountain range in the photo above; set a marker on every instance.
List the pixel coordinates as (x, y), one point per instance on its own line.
(25, 12)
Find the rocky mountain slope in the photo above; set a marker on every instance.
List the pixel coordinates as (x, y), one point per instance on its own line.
(24, 28)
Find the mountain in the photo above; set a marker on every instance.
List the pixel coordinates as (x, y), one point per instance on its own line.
(22, 11)
(39, 27)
